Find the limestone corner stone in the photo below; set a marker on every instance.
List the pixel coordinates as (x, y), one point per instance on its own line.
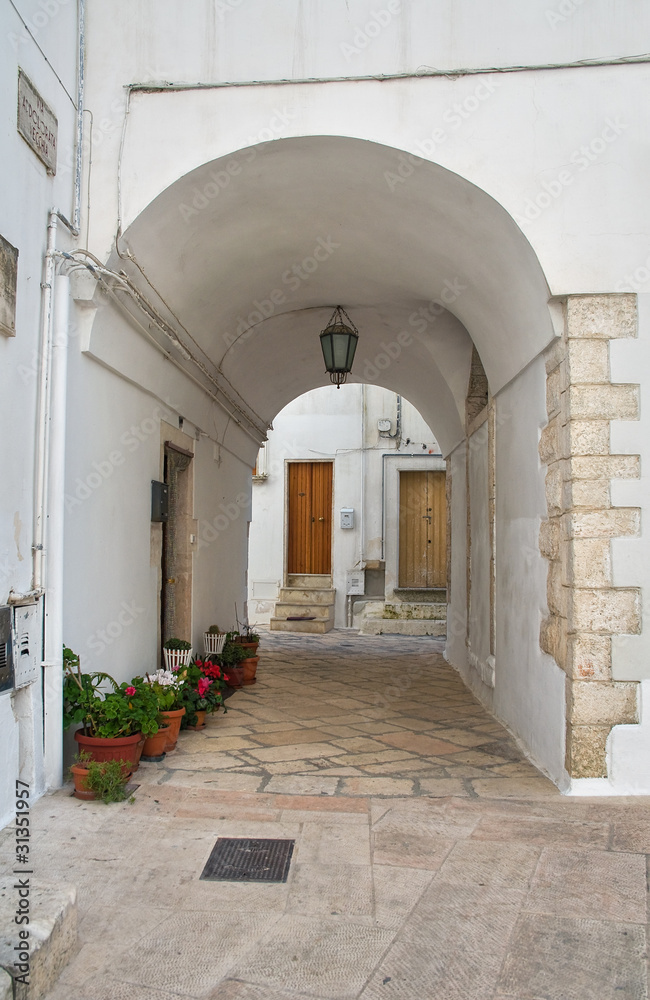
(601, 316)
(590, 657)
(587, 751)
(597, 703)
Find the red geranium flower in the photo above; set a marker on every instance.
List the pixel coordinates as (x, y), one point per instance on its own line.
(130, 691)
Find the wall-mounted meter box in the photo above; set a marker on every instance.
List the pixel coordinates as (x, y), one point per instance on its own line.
(383, 426)
(347, 517)
(6, 649)
(356, 582)
(27, 645)
(159, 501)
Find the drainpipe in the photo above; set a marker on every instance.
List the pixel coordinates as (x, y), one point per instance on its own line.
(43, 414)
(53, 686)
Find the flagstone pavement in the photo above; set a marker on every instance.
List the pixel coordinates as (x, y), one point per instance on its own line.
(432, 860)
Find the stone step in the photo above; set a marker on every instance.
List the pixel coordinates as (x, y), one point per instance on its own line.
(285, 610)
(424, 595)
(317, 626)
(52, 934)
(399, 611)
(306, 595)
(309, 581)
(406, 610)
(401, 626)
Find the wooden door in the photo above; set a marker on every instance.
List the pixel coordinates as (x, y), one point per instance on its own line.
(310, 517)
(422, 530)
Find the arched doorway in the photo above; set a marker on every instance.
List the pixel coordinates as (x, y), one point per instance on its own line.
(439, 279)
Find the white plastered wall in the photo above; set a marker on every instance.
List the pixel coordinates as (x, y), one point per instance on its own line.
(48, 57)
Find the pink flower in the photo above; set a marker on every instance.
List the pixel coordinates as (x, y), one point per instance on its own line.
(130, 691)
(204, 684)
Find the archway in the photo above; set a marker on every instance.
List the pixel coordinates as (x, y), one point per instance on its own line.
(243, 274)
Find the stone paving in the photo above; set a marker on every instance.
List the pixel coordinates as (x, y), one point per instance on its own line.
(432, 859)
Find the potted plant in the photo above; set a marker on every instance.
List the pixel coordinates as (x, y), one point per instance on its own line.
(103, 780)
(230, 660)
(113, 722)
(167, 686)
(213, 640)
(202, 692)
(250, 640)
(177, 653)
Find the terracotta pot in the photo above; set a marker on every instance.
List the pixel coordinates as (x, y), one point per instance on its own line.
(154, 746)
(200, 719)
(138, 754)
(235, 675)
(124, 748)
(79, 776)
(174, 719)
(250, 669)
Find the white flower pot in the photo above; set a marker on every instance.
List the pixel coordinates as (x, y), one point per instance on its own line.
(213, 643)
(175, 658)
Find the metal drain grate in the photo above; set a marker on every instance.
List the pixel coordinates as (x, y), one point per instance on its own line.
(239, 859)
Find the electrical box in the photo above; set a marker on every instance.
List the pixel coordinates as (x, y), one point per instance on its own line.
(356, 582)
(6, 650)
(159, 501)
(27, 645)
(347, 517)
(383, 426)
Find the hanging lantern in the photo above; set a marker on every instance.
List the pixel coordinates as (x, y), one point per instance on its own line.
(338, 342)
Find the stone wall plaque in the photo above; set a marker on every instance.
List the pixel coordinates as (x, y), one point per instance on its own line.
(36, 122)
(8, 282)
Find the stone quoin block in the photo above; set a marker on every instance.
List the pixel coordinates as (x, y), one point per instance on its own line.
(550, 441)
(587, 751)
(549, 538)
(592, 493)
(553, 392)
(603, 703)
(606, 611)
(553, 638)
(601, 316)
(590, 656)
(604, 402)
(604, 467)
(617, 522)
(589, 563)
(556, 591)
(587, 361)
(554, 492)
(555, 354)
(587, 437)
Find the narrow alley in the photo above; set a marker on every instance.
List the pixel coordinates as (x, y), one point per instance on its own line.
(431, 858)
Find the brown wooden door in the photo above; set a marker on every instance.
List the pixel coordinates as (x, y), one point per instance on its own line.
(422, 529)
(310, 517)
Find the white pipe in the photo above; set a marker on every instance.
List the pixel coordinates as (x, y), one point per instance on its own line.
(81, 30)
(53, 688)
(43, 414)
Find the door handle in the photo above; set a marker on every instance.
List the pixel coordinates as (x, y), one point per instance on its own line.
(321, 518)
